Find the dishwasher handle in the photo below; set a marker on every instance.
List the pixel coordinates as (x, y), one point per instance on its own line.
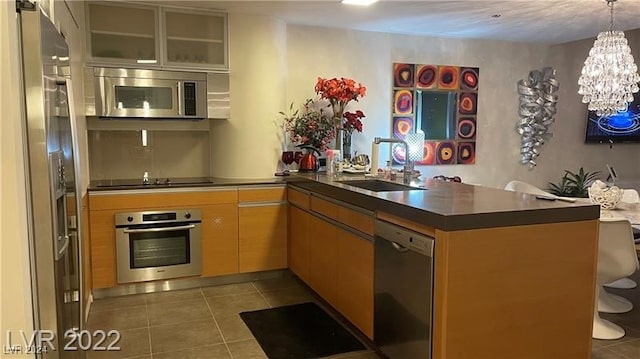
(399, 247)
(403, 239)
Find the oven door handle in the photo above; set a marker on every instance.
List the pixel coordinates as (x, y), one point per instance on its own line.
(162, 229)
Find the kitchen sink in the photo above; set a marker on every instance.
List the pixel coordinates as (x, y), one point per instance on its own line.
(380, 186)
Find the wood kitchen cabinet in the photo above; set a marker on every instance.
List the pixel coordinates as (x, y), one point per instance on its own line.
(299, 228)
(219, 239)
(263, 228)
(330, 248)
(103, 248)
(487, 287)
(132, 35)
(323, 261)
(354, 284)
(219, 216)
(340, 269)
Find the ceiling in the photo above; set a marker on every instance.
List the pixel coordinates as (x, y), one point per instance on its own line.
(546, 21)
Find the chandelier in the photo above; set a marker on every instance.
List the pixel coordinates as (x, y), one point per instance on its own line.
(609, 76)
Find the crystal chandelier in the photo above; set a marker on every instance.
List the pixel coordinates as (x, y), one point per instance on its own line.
(609, 76)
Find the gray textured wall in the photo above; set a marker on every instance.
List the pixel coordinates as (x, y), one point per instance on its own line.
(367, 57)
(568, 147)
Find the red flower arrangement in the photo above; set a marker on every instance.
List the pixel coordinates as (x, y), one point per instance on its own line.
(352, 122)
(340, 92)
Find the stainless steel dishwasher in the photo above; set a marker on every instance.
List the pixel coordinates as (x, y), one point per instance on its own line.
(403, 292)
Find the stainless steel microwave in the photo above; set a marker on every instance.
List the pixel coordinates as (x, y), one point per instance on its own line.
(140, 93)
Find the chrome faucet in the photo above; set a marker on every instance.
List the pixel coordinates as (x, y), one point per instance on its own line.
(408, 165)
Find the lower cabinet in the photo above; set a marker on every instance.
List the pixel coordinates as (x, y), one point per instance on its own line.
(103, 248)
(335, 262)
(354, 294)
(299, 242)
(263, 237)
(323, 261)
(219, 239)
(219, 210)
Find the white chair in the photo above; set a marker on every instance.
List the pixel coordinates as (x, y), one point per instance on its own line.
(616, 259)
(519, 186)
(628, 196)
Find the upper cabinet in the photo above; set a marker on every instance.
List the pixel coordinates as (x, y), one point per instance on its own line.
(195, 39)
(124, 34)
(156, 36)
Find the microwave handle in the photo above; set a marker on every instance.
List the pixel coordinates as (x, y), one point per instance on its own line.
(180, 95)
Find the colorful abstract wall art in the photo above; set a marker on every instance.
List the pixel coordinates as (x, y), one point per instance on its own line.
(442, 101)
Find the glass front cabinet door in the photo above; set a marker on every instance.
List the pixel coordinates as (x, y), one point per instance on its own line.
(195, 39)
(122, 33)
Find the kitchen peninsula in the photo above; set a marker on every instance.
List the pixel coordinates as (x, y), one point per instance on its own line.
(510, 271)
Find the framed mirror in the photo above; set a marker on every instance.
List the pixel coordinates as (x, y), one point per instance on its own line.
(442, 102)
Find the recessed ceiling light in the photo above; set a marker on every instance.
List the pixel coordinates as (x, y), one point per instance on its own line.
(359, 2)
(496, 16)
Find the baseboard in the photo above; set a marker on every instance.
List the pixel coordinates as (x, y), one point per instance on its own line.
(184, 283)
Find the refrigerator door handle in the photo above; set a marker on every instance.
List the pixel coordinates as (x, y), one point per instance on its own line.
(63, 248)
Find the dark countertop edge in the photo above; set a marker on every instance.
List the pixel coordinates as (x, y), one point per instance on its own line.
(436, 220)
(453, 222)
(217, 182)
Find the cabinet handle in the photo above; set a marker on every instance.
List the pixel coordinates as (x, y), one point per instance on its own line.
(179, 85)
(163, 229)
(261, 204)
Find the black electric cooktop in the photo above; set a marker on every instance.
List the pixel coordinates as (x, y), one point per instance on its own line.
(153, 182)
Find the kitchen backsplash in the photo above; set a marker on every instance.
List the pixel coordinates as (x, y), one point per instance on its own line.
(167, 154)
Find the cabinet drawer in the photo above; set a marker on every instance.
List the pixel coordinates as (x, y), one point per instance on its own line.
(354, 219)
(162, 200)
(402, 222)
(298, 198)
(325, 208)
(262, 194)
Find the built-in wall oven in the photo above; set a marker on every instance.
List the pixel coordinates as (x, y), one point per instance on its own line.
(157, 245)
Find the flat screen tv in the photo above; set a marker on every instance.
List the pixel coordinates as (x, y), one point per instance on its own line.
(621, 127)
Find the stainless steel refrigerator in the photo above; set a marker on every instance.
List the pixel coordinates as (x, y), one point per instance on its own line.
(53, 192)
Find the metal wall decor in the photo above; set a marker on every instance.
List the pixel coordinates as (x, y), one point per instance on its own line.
(537, 111)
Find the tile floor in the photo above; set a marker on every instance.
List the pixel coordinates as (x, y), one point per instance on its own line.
(195, 323)
(204, 322)
(627, 347)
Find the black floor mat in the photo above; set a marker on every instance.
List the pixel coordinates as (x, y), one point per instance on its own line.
(300, 331)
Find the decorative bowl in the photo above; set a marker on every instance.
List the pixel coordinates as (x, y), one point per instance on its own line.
(607, 198)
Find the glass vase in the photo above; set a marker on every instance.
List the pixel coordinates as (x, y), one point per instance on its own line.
(346, 145)
(338, 139)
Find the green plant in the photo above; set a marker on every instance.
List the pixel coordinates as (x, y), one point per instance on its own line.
(311, 126)
(573, 184)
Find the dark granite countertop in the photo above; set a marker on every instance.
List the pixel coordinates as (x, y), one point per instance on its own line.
(451, 206)
(136, 184)
(443, 205)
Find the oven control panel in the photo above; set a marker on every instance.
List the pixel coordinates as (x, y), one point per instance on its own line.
(156, 217)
